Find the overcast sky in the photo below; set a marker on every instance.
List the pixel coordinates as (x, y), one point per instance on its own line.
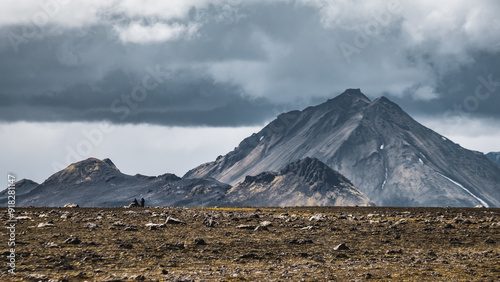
(162, 86)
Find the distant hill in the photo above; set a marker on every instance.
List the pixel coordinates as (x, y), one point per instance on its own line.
(98, 183)
(307, 182)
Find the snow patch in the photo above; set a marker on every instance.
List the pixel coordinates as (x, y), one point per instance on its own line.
(385, 179)
(262, 137)
(420, 160)
(444, 138)
(382, 147)
(466, 190)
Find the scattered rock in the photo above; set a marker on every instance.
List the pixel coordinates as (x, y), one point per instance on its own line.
(164, 271)
(154, 226)
(391, 252)
(66, 215)
(341, 255)
(209, 222)
(318, 217)
(448, 226)
(480, 207)
(118, 223)
(37, 277)
(51, 245)
(199, 241)
(130, 228)
(266, 223)
(489, 240)
(45, 224)
(171, 220)
(90, 226)
(71, 205)
(253, 215)
(138, 277)
(125, 246)
(244, 226)
(248, 256)
(260, 228)
(72, 240)
(341, 247)
(176, 246)
(298, 241)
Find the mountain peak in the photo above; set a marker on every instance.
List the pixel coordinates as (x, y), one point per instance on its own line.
(92, 164)
(314, 170)
(354, 94)
(351, 98)
(86, 170)
(110, 163)
(306, 182)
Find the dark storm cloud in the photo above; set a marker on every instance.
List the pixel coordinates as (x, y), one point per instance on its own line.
(227, 64)
(472, 90)
(88, 75)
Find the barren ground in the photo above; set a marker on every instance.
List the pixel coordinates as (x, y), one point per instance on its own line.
(390, 244)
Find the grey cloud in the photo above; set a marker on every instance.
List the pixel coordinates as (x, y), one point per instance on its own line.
(242, 63)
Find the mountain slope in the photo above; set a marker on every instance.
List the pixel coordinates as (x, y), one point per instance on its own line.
(22, 187)
(98, 183)
(390, 157)
(494, 157)
(307, 182)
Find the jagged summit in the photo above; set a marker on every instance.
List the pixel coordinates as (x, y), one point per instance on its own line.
(306, 182)
(23, 187)
(389, 156)
(313, 170)
(24, 182)
(110, 163)
(350, 99)
(354, 94)
(91, 169)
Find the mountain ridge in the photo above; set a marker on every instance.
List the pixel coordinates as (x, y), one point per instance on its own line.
(388, 155)
(99, 183)
(93, 182)
(306, 182)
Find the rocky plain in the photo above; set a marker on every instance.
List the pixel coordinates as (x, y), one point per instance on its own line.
(255, 244)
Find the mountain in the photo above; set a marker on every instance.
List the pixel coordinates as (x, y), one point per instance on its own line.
(494, 157)
(306, 182)
(391, 158)
(98, 183)
(22, 187)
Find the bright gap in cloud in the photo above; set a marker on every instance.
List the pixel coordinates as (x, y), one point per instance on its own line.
(36, 150)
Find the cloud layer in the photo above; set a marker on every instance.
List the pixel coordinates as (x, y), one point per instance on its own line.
(236, 63)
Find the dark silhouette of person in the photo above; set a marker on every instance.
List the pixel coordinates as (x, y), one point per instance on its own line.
(142, 202)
